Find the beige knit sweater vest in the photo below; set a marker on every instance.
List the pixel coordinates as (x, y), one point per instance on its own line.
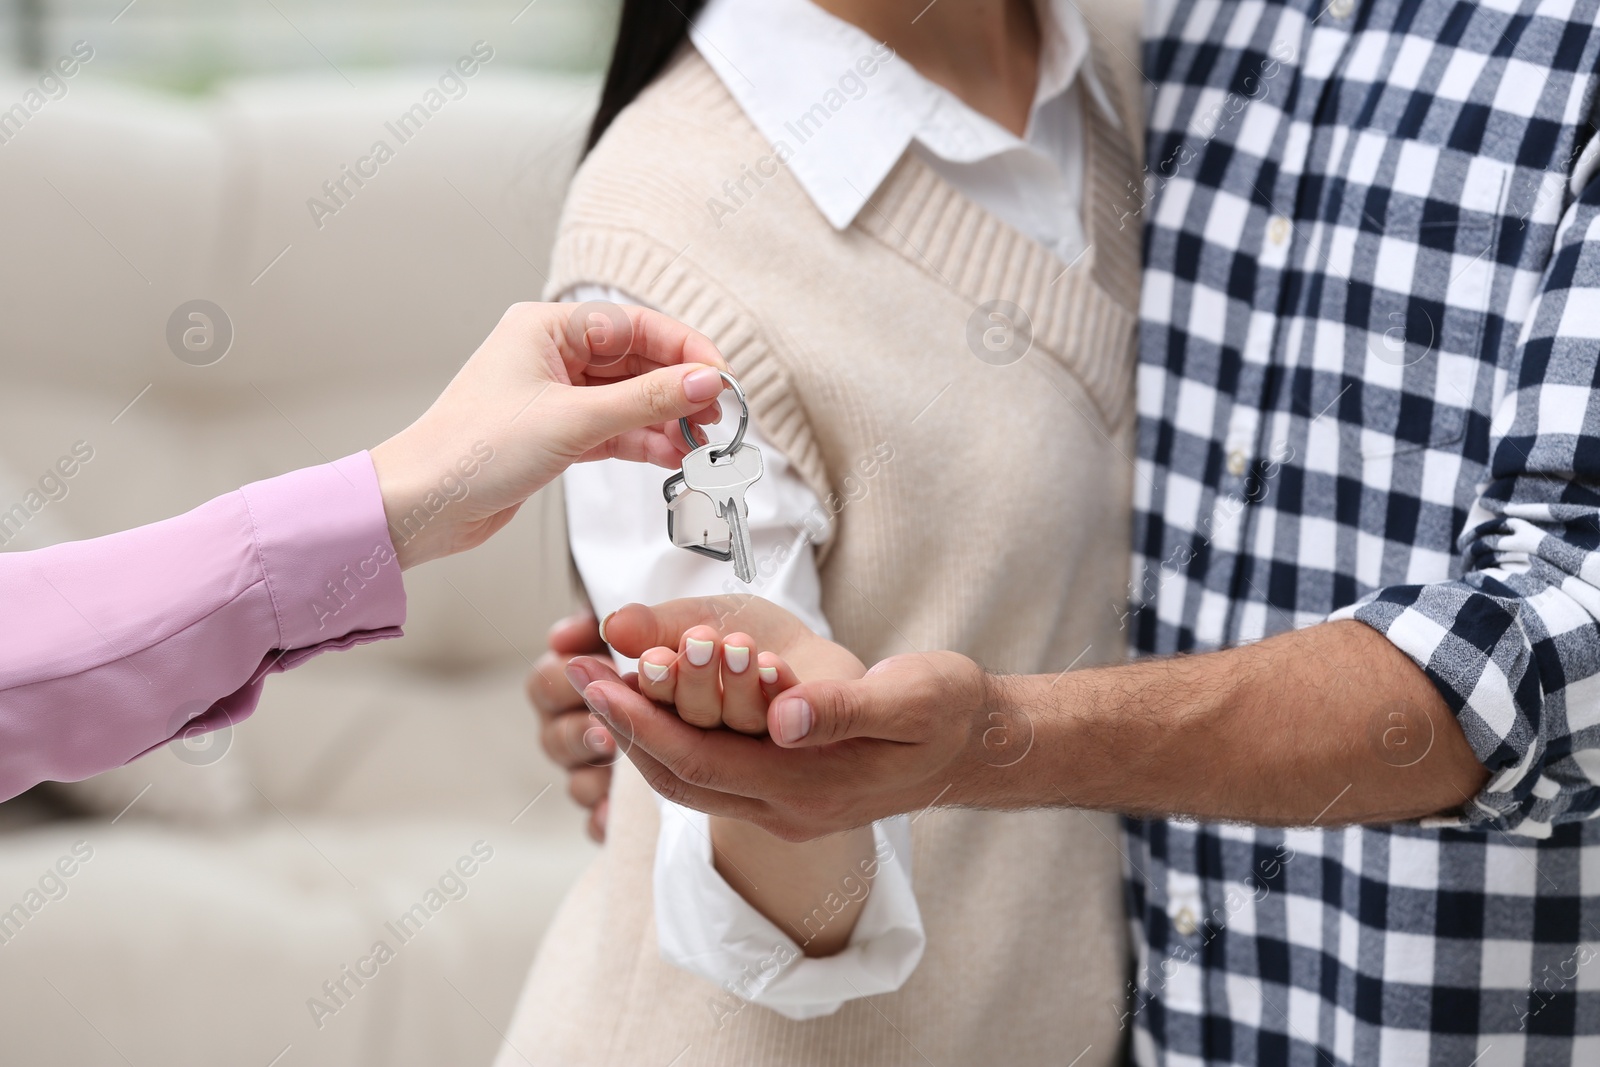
(982, 506)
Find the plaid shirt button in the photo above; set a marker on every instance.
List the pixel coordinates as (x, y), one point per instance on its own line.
(1278, 230)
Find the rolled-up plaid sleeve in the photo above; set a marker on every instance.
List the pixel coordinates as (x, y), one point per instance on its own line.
(1513, 645)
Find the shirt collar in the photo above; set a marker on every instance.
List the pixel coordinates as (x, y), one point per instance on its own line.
(841, 108)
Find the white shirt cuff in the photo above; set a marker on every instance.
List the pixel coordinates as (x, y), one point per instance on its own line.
(708, 929)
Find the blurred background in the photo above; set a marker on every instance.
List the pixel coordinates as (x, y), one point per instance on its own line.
(224, 901)
(193, 44)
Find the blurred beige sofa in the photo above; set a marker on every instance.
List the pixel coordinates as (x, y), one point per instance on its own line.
(224, 902)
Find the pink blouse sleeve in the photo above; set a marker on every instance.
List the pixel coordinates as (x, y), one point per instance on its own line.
(111, 647)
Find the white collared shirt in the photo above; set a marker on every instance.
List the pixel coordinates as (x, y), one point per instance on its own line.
(780, 59)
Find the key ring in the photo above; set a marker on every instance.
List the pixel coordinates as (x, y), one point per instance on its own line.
(744, 422)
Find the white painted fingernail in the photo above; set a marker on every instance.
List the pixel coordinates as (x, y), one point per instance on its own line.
(737, 657)
(603, 627)
(654, 671)
(700, 652)
(768, 674)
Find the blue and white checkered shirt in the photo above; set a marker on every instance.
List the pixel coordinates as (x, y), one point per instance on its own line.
(1370, 349)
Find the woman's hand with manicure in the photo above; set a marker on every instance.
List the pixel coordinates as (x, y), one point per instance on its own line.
(716, 681)
(553, 385)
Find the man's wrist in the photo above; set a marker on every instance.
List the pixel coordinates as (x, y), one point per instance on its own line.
(1014, 731)
(1100, 739)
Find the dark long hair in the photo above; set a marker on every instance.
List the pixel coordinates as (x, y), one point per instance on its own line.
(648, 34)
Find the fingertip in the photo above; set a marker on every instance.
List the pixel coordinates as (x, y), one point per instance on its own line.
(655, 672)
(630, 629)
(736, 650)
(776, 674)
(699, 645)
(597, 666)
(578, 673)
(789, 720)
(597, 820)
(578, 620)
(702, 384)
(541, 680)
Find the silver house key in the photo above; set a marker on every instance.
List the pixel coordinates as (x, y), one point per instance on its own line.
(723, 474)
(706, 510)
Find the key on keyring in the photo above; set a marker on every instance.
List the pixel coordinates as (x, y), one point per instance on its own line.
(724, 479)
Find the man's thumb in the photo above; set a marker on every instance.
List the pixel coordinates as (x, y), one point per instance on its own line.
(906, 698)
(820, 713)
(646, 400)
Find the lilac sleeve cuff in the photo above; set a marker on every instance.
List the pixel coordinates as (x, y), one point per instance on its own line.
(113, 646)
(325, 553)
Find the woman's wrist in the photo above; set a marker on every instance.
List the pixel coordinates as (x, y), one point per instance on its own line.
(398, 500)
(804, 888)
(424, 496)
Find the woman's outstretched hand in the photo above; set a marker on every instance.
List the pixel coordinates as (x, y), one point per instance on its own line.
(553, 385)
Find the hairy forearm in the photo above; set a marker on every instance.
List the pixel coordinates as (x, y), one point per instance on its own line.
(810, 890)
(1327, 725)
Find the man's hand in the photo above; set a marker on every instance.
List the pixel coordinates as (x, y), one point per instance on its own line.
(572, 737)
